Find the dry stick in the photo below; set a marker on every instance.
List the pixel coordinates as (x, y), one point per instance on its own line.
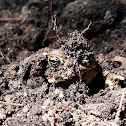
(120, 108)
(15, 104)
(51, 21)
(55, 27)
(51, 7)
(86, 28)
(10, 19)
(47, 32)
(49, 24)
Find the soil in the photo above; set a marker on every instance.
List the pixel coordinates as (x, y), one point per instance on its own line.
(28, 38)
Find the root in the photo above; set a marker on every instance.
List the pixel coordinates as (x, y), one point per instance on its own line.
(121, 107)
(86, 29)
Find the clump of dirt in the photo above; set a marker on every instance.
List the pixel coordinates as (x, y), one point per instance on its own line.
(79, 13)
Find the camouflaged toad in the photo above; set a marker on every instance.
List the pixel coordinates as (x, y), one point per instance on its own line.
(68, 60)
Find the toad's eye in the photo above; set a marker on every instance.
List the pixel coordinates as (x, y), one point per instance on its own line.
(54, 61)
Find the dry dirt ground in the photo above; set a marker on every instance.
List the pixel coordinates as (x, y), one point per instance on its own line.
(28, 38)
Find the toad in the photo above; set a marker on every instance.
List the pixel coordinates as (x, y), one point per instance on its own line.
(68, 60)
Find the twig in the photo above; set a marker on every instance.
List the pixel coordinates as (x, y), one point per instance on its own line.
(120, 108)
(55, 27)
(86, 28)
(47, 32)
(51, 7)
(10, 19)
(6, 103)
(49, 23)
